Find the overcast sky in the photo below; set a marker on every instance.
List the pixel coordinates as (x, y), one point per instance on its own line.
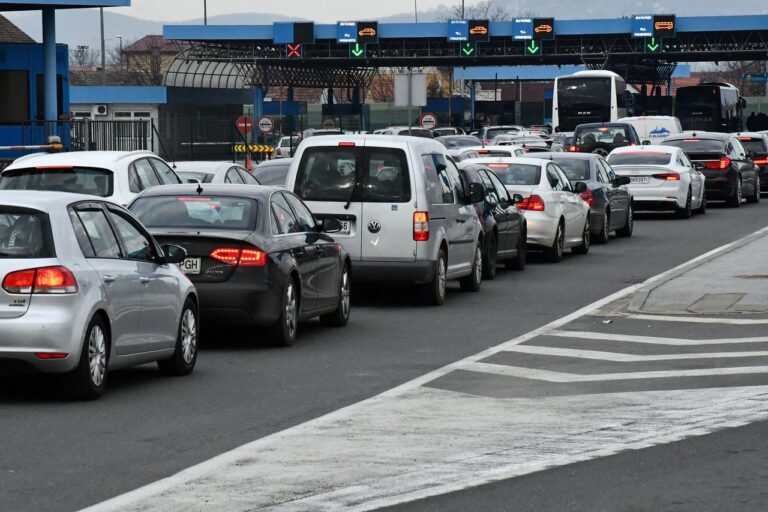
(324, 11)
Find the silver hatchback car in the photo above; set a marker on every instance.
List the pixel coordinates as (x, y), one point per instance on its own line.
(85, 289)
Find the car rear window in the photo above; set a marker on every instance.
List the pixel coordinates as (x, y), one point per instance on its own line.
(575, 169)
(753, 144)
(517, 174)
(602, 135)
(202, 212)
(272, 175)
(79, 180)
(25, 234)
(494, 152)
(697, 145)
(495, 132)
(195, 177)
(460, 142)
(640, 158)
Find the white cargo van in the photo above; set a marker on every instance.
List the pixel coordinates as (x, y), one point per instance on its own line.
(654, 129)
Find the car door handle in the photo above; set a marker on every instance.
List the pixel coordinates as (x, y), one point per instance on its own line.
(108, 279)
(144, 280)
(461, 221)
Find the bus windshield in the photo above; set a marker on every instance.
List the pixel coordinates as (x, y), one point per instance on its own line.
(583, 100)
(698, 108)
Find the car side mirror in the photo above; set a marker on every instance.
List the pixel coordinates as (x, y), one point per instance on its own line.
(621, 180)
(476, 193)
(174, 253)
(330, 226)
(580, 187)
(517, 198)
(646, 143)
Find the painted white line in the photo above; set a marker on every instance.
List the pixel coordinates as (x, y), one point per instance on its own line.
(204, 469)
(625, 358)
(550, 376)
(698, 319)
(587, 335)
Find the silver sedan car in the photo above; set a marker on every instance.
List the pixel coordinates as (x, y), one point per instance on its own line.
(85, 289)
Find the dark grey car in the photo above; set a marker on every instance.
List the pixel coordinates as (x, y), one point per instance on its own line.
(610, 202)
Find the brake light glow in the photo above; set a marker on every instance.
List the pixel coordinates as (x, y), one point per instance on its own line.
(745, 138)
(51, 355)
(234, 257)
(574, 149)
(534, 204)
(722, 164)
(46, 280)
(762, 161)
(195, 199)
(421, 226)
(670, 176)
(346, 144)
(43, 167)
(588, 197)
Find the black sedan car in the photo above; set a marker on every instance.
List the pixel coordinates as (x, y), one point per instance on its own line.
(255, 254)
(602, 138)
(730, 173)
(503, 224)
(610, 202)
(756, 144)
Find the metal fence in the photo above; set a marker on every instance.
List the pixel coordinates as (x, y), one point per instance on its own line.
(88, 135)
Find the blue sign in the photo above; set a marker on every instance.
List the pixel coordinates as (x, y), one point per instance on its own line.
(458, 30)
(346, 32)
(282, 33)
(642, 25)
(522, 29)
(755, 78)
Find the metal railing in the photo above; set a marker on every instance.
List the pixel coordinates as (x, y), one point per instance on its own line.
(88, 135)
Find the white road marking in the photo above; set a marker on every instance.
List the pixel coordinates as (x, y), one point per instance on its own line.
(551, 376)
(626, 358)
(586, 335)
(568, 431)
(698, 319)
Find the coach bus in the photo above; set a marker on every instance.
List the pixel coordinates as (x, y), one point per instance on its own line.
(712, 107)
(589, 97)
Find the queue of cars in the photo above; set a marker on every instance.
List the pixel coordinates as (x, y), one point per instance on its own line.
(112, 259)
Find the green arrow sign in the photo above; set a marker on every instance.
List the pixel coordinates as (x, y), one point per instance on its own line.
(653, 46)
(357, 51)
(468, 50)
(533, 49)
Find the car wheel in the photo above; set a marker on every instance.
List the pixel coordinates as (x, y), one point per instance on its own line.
(629, 225)
(755, 197)
(89, 379)
(472, 282)
(185, 355)
(518, 263)
(340, 317)
(284, 330)
(735, 200)
(685, 212)
(434, 291)
(554, 254)
(701, 210)
(604, 234)
(586, 238)
(491, 259)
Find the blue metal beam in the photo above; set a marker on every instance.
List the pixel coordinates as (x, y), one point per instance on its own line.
(50, 96)
(33, 5)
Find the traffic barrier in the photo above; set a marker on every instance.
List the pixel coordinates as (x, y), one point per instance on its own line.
(252, 148)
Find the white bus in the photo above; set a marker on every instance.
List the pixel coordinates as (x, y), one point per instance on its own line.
(589, 97)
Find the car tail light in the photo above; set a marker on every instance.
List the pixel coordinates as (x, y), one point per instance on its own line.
(669, 176)
(534, 204)
(51, 355)
(239, 257)
(346, 144)
(252, 258)
(761, 161)
(279, 152)
(46, 280)
(721, 164)
(421, 226)
(573, 149)
(588, 197)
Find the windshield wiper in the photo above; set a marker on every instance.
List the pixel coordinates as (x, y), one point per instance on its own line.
(354, 191)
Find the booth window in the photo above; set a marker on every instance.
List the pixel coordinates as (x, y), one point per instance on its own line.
(41, 99)
(14, 97)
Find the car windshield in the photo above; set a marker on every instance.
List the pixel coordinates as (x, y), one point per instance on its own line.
(195, 177)
(460, 142)
(517, 174)
(697, 145)
(78, 180)
(575, 169)
(24, 234)
(201, 212)
(640, 158)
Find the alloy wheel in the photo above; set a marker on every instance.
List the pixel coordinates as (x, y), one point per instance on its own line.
(188, 336)
(345, 293)
(290, 310)
(97, 355)
(441, 278)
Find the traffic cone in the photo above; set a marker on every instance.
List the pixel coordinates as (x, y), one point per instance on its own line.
(248, 162)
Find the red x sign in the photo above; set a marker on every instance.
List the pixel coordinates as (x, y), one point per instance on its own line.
(294, 51)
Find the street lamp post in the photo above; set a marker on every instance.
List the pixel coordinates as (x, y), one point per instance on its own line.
(416, 10)
(205, 12)
(121, 52)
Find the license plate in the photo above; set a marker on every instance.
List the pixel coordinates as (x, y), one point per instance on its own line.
(638, 180)
(346, 227)
(191, 266)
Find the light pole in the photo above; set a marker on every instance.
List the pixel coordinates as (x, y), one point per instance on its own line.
(121, 52)
(462, 9)
(416, 10)
(205, 12)
(103, 49)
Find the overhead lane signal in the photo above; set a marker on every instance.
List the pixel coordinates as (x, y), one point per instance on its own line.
(357, 51)
(467, 49)
(654, 46)
(479, 31)
(294, 51)
(533, 48)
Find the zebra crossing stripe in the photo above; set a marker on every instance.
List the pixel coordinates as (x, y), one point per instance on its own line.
(626, 358)
(698, 319)
(586, 335)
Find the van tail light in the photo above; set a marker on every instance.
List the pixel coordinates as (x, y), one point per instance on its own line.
(588, 197)
(669, 176)
(573, 149)
(45, 280)
(421, 226)
(239, 257)
(532, 204)
(722, 164)
(279, 152)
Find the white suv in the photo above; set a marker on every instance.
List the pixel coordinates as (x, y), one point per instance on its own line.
(117, 176)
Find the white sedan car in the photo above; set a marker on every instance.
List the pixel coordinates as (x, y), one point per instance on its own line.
(556, 215)
(466, 153)
(662, 178)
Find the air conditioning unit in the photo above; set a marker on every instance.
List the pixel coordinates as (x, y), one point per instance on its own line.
(100, 110)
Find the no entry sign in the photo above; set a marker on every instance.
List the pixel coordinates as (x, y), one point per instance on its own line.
(265, 124)
(244, 124)
(428, 121)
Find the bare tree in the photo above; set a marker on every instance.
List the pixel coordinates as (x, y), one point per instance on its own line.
(84, 57)
(734, 73)
(483, 10)
(382, 88)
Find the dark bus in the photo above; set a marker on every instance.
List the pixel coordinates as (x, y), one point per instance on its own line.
(711, 107)
(589, 97)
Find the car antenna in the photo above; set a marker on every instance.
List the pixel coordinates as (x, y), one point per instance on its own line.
(199, 189)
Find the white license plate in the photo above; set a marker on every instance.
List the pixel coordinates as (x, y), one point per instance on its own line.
(639, 180)
(346, 227)
(191, 266)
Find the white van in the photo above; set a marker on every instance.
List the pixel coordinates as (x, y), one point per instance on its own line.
(654, 129)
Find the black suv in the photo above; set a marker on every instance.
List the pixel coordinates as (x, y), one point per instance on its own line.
(602, 138)
(729, 171)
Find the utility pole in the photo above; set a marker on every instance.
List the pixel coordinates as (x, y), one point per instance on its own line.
(416, 10)
(121, 52)
(462, 9)
(103, 49)
(205, 12)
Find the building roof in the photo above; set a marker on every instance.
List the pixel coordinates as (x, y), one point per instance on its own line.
(152, 42)
(10, 33)
(32, 5)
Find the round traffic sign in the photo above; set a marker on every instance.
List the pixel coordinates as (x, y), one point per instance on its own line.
(265, 124)
(244, 124)
(428, 121)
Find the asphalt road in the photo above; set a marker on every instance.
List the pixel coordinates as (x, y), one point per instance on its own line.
(59, 455)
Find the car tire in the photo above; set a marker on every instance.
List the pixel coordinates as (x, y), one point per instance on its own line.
(491, 259)
(89, 379)
(283, 332)
(554, 254)
(340, 317)
(685, 212)
(586, 239)
(519, 261)
(629, 225)
(701, 210)
(735, 200)
(755, 197)
(472, 282)
(434, 292)
(603, 235)
(185, 355)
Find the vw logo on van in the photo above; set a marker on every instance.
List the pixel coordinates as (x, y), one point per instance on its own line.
(374, 226)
